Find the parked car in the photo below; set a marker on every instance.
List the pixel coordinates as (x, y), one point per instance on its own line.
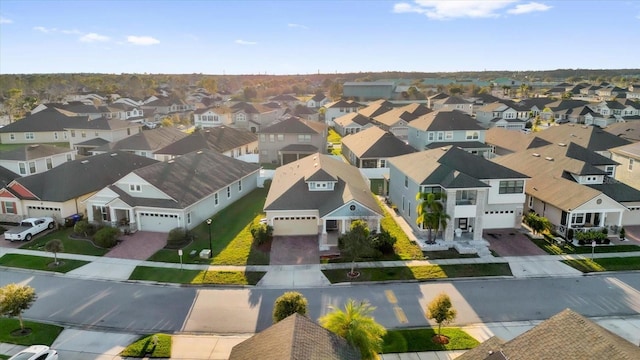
(36, 352)
(28, 228)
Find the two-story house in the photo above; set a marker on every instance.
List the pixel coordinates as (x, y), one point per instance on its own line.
(232, 142)
(442, 128)
(502, 116)
(88, 135)
(46, 126)
(338, 108)
(252, 117)
(37, 158)
(372, 147)
(479, 194)
(396, 120)
(290, 140)
(453, 103)
(317, 101)
(628, 156)
(144, 143)
(212, 116)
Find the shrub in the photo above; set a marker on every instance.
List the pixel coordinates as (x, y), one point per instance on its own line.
(384, 242)
(570, 234)
(288, 304)
(107, 237)
(261, 233)
(84, 228)
(623, 233)
(585, 238)
(178, 237)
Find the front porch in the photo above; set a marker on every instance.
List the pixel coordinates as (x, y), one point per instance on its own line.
(589, 221)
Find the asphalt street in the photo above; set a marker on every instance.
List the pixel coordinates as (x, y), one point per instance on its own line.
(140, 308)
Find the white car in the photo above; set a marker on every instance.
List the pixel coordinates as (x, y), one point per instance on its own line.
(36, 352)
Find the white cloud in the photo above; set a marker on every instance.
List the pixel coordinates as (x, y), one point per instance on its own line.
(44, 29)
(93, 37)
(4, 20)
(297, 26)
(244, 42)
(444, 10)
(142, 40)
(527, 8)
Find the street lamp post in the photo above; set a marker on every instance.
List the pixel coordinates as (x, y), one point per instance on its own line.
(209, 221)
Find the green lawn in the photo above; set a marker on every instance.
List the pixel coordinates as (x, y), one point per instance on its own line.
(232, 240)
(418, 340)
(40, 263)
(4, 357)
(554, 249)
(404, 248)
(420, 273)
(605, 264)
(71, 246)
(41, 334)
(195, 276)
(447, 254)
(145, 345)
(334, 137)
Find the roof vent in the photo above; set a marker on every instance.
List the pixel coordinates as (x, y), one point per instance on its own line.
(585, 127)
(199, 152)
(562, 144)
(114, 154)
(170, 161)
(315, 164)
(536, 154)
(84, 161)
(549, 158)
(444, 148)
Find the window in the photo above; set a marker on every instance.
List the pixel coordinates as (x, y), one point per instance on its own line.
(239, 185)
(609, 170)
(511, 187)
(65, 136)
(104, 213)
(272, 138)
(531, 202)
(215, 199)
(55, 136)
(49, 164)
(430, 136)
(135, 188)
(577, 218)
(228, 192)
(406, 181)
(12, 136)
(472, 135)
(280, 137)
(23, 168)
(32, 167)
(83, 134)
(440, 136)
(263, 137)
(630, 164)
(8, 207)
(29, 136)
(448, 135)
(383, 163)
(189, 217)
(96, 134)
(143, 153)
(304, 138)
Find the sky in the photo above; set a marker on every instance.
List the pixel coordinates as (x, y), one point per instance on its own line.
(306, 36)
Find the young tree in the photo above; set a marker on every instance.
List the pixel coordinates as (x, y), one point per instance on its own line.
(431, 212)
(357, 326)
(441, 310)
(55, 246)
(15, 299)
(288, 304)
(355, 242)
(537, 223)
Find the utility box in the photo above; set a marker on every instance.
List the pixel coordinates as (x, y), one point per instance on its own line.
(205, 254)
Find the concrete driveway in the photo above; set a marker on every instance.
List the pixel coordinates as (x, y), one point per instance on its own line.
(294, 250)
(511, 242)
(139, 245)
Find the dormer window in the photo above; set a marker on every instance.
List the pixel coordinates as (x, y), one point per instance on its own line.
(135, 188)
(321, 185)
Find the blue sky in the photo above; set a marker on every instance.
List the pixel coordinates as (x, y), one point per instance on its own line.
(300, 37)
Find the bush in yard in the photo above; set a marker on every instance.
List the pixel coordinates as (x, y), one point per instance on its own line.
(178, 237)
(261, 233)
(384, 242)
(623, 233)
(84, 228)
(288, 304)
(586, 237)
(107, 237)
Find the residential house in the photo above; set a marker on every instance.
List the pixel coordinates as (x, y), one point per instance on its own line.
(211, 117)
(564, 336)
(36, 158)
(396, 120)
(442, 128)
(610, 92)
(338, 108)
(179, 193)
(317, 101)
(561, 109)
(480, 194)
(573, 187)
(372, 147)
(306, 113)
(319, 194)
(296, 337)
(87, 97)
(46, 126)
(453, 103)
(232, 142)
(351, 123)
(431, 100)
(6, 177)
(368, 90)
(144, 143)
(501, 116)
(504, 142)
(252, 117)
(628, 156)
(287, 100)
(128, 101)
(124, 111)
(81, 109)
(290, 140)
(590, 137)
(628, 130)
(376, 108)
(62, 191)
(87, 135)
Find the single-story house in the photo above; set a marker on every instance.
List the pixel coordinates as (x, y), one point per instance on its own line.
(36, 158)
(144, 143)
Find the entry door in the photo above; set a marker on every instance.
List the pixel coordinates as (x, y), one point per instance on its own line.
(462, 223)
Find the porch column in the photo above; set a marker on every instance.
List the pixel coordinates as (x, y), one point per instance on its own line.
(449, 208)
(478, 226)
(324, 225)
(602, 219)
(378, 225)
(112, 216)
(620, 213)
(344, 226)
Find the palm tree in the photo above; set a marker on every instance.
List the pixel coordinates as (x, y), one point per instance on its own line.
(356, 326)
(431, 212)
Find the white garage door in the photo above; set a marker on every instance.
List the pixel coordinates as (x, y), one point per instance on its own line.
(295, 225)
(499, 219)
(158, 222)
(631, 217)
(41, 211)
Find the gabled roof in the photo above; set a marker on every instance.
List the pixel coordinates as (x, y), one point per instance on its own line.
(346, 120)
(561, 105)
(375, 143)
(456, 100)
(294, 125)
(31, 152)
(219, 138)
(445, 121)
(49, 119)
(290, 192)
(148, 140)
(564, 336)
(416, 109)
(284, 97)
(343, 104)
(194, 176)
(83, 176)
(6, 176)
(295, 338)
(631, 151)
(629, 130)
(102, 124)
(318, 97)
(451, 167)
(590, 137)
(376, 108)
(391, 117)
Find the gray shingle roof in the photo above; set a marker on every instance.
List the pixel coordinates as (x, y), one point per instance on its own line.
(292, 125)
(83, 176)
(290, 192)
(295, 338)
(147, 140)
(445, 121)
(220, 139)
(376, 143)
(49, 119)
(30, 152)
(6, 176)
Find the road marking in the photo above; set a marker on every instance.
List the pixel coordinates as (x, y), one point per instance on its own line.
(391, 297)
(402, 318)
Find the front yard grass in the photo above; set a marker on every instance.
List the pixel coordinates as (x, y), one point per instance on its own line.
(333, 136)
(177, 276)
(145, 345)
(41, 334)
(418, 340)
(71, 246)
(420, 273)
(40, 263)
(605, 264)
(404, 248)
(565, 249)
(230, 231)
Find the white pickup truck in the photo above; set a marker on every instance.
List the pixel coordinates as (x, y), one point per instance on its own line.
(29, 228)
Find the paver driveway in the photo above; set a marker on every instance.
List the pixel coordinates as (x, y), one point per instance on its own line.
(139, 246)
(511, 242)
(294, 250)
